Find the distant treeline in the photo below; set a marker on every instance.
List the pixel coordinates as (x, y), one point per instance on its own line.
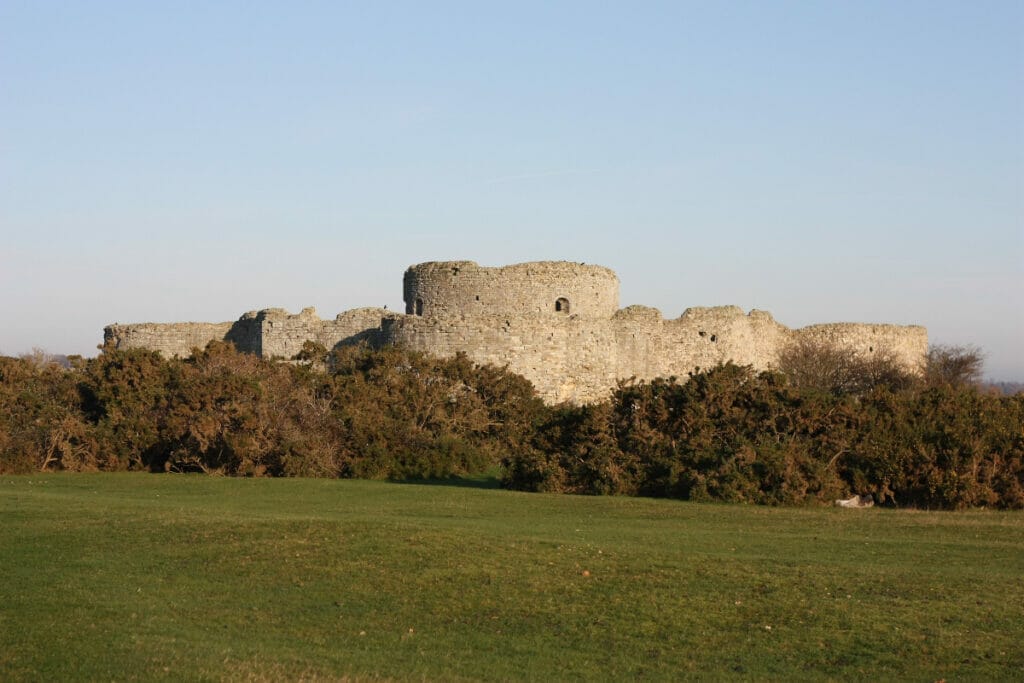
(827, 425)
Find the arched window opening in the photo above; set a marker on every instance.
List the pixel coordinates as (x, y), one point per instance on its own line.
(561, 305)
(419, 306)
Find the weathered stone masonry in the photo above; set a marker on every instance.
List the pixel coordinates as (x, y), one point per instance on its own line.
(556, 323)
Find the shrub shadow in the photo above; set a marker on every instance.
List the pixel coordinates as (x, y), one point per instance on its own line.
(480, 481)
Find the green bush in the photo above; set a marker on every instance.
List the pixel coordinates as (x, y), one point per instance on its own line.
(726, 434)
(41, 422)
(730, 434)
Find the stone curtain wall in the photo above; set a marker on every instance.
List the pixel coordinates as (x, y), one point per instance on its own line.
(571, 359)
(173, 339)
(649, 346)
(283, 334)
(272, 332)
(908, 343)
(556, 323)
(566, 359)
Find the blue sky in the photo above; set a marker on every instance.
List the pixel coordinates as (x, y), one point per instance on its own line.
(846, 161)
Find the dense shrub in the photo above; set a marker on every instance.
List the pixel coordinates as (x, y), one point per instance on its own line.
(384, 414)
(814, 365)
(574, 451)
(406, 414)
(727, 434)
(41, 424)
(125, 398)
(732, 434)
(943, 447)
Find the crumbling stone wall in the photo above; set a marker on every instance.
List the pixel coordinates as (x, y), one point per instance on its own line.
(567, 359)
(556, 323)
(271, 332)
(282, 335)
(907, 343)
(177, 339)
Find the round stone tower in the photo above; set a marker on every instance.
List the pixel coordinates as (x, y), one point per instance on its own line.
(444, 289)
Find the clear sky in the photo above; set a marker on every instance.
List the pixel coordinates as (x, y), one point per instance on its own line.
(826, 161)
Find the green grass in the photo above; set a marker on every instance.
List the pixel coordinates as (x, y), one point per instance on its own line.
(185, 577)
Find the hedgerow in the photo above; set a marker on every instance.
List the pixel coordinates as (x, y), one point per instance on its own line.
(725, 434)
(732, 434)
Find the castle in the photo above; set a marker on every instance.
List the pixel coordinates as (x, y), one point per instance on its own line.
(556, 323)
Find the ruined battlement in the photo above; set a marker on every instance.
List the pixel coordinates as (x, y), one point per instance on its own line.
(557, 323)
(552, 288)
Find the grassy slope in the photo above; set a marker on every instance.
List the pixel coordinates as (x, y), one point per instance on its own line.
(161, 576)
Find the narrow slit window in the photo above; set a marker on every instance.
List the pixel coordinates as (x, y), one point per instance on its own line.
(419, 306)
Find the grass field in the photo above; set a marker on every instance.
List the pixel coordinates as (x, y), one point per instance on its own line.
(171, 577)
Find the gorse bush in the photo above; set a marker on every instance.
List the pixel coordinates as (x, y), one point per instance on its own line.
(411, 415)
(727, 434)
(41, 420)
(732, 434)
(383, 414)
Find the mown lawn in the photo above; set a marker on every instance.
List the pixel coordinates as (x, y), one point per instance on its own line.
(174, 577)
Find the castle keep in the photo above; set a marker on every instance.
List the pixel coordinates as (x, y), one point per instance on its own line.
(556, 323)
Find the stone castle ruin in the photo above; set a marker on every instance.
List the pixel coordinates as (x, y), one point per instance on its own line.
(556, 323)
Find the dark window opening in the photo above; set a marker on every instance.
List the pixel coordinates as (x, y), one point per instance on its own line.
(714, 338)
(419, 306)
(871, 349)
(561, 305)
(478, 297)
